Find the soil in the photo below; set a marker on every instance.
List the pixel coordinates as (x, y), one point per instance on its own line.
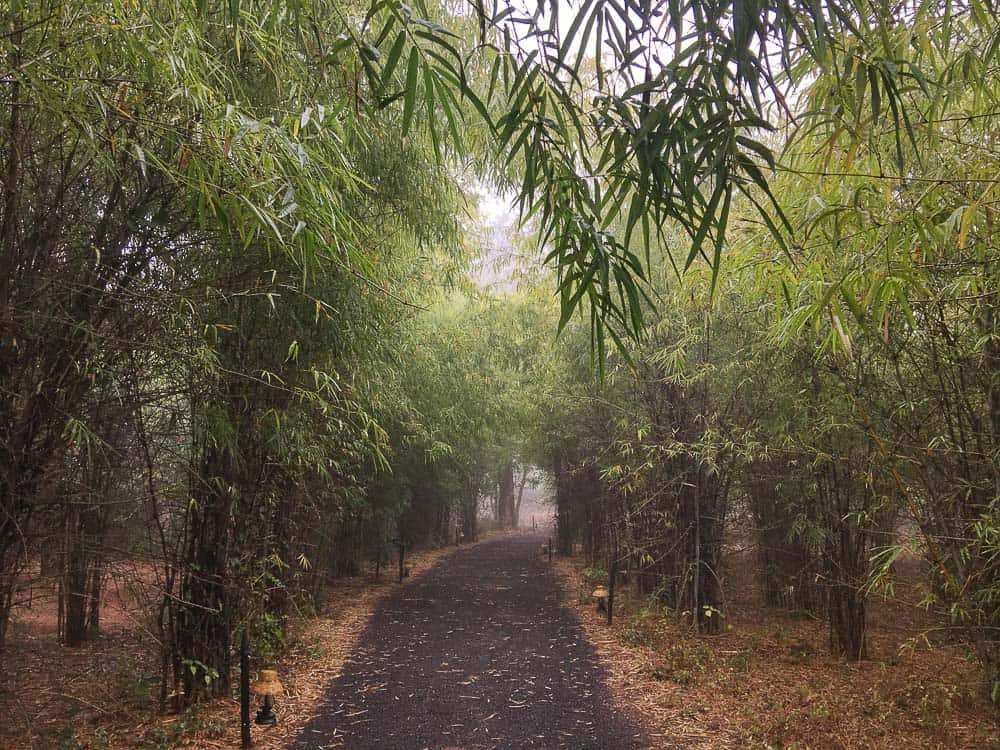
(479, 653)
(102, 695)
(50, 692)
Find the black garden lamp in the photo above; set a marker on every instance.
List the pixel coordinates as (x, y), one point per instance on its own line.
(267, 687)
(601, 595)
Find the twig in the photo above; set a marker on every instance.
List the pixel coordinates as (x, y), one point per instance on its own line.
(74, 698)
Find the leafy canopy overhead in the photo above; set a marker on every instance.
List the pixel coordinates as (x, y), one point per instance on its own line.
(611, 120)
(608, 119)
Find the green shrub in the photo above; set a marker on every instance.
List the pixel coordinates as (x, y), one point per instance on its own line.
(801, 652)
(267, 635)
(132, 684)
(595, 574)
(682, 663)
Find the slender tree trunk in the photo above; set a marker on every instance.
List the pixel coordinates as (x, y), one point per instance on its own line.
(11, 507)
(564, 520)
(988, 639)
(75, 582)
(525, 470)
(848, 557)
(203, 618)
(470, 509)
(94, 596)
(86, 526)
(505, 500)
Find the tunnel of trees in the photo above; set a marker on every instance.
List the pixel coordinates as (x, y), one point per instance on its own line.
(251, 336)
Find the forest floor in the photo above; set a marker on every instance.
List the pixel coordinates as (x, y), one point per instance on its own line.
(474, 650)
(103, 695)
(767, 680)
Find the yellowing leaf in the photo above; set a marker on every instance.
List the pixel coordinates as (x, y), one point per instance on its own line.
(967, 217)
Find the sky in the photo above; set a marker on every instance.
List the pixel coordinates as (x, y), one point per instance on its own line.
(502, 241)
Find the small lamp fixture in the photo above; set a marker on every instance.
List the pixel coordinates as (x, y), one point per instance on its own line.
(267, 687)
(601, 595)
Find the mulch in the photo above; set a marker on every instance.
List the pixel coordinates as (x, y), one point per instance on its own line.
(101, 696)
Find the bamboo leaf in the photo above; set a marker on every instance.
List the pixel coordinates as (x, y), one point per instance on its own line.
(410, 95)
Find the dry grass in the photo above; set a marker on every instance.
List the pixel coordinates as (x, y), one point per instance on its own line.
(768, 682)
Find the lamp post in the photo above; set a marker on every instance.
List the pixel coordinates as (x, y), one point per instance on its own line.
(244, 692)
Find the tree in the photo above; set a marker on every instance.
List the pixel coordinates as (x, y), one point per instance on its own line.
(220, 221)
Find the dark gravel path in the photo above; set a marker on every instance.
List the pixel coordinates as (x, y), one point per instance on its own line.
(476, 653)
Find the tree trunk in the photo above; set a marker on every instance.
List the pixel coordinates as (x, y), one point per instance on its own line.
(470, 509)
(204, 614)
(847, 622)
(525, 470)
(94, 597)
(847, 553)
(564, 520)
(505, 500)
(75, 582)
(86, 524)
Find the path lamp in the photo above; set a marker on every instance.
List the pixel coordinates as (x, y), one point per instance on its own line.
(267, 687)
(601, 595)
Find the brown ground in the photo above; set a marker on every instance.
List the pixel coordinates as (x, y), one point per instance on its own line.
(765, 682)
(768, 682)
(102, 696)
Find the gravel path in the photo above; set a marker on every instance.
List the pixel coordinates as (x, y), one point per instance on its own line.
(476, 653)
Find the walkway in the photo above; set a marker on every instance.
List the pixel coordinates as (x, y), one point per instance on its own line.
(476, 653)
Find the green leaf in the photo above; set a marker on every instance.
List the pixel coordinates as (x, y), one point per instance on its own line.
(876, 96)
(410, 94)
(392, 59)
(720, 237)
(707, 219)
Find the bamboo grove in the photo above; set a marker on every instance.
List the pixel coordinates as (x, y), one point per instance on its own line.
(240, 341)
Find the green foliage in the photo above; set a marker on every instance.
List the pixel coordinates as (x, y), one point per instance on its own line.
(682, 663)
(928, 700)
(131, 683)
(237, 223)
(634, 637)
(179, 731)
(267, 634)
(837, 381)
(595, 574)
(801, 652)
(63, 739)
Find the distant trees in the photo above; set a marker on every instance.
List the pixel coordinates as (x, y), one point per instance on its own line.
(505, 495)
